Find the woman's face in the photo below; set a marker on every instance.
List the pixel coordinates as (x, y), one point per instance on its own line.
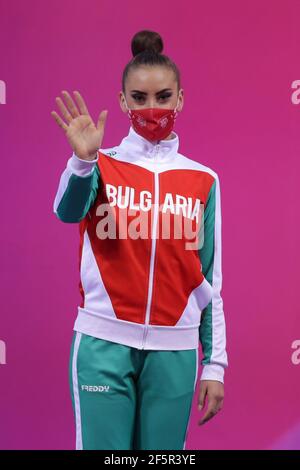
(151, 87)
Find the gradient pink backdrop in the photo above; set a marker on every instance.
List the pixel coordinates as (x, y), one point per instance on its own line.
(237, 60)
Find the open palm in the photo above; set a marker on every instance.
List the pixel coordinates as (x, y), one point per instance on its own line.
(83, 135)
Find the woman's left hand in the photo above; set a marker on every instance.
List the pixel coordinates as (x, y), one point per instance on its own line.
(214, 390)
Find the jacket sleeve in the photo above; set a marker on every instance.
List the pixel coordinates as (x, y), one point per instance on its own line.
(77, 189)
(212, 329)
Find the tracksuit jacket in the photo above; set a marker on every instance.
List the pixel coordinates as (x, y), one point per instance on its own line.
(148, 292)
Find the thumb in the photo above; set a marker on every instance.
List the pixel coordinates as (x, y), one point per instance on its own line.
(202, 394)
(102, 120)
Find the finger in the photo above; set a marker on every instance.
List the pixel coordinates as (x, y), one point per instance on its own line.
(220, 404)
(202, 396)
(102, 120)
(208, 415)
(59, 121)
(213, 407)
(71, 105)
(210, 412)
(64, 111)
(81, 103)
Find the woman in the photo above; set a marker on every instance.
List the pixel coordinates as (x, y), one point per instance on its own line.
(147, 297)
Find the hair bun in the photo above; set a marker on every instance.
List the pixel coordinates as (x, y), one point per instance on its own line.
(146, 40)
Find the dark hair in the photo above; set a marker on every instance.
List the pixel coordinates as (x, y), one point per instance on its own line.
(146, 48)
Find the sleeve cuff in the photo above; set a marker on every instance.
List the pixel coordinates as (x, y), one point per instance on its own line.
(213, 372)
(81, 167)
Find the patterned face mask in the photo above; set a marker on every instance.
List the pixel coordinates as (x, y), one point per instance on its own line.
(153, 123)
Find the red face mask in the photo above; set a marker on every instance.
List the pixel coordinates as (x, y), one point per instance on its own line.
(153, 123)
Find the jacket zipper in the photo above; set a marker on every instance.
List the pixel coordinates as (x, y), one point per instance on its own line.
(153, 247)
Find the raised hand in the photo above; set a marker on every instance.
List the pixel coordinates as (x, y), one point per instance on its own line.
(84, 137)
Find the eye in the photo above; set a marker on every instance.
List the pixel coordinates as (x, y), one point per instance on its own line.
(137, 97)
(165, 96)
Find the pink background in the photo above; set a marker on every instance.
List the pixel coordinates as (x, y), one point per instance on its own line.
(238, 60)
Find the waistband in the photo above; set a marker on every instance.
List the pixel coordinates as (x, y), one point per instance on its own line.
(137, 335)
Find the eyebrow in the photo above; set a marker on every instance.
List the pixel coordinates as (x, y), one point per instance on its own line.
(144, 93)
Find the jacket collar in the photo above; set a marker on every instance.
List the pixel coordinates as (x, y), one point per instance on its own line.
(137, 147)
